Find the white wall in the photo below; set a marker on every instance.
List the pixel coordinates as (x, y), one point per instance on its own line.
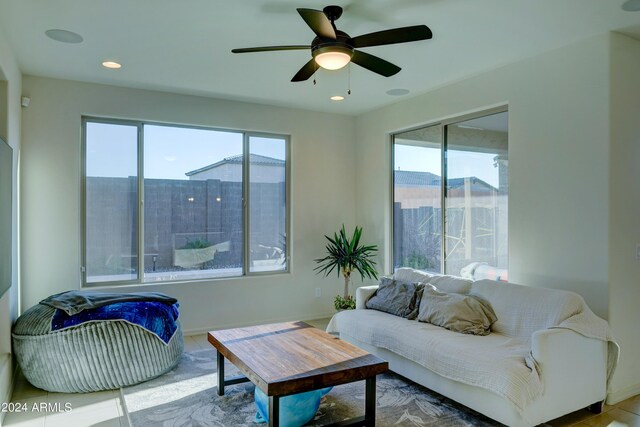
(574, 198)
(558, 151)
(322, 162)
(11, 83)
(624, 219)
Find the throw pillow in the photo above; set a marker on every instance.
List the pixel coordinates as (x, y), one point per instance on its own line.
(467, 314)
(411, 275)
(396, 297)
(451, 284)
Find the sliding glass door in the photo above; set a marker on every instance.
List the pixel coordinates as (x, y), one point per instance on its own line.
(453, 173)
(417, 199)
(476, 208)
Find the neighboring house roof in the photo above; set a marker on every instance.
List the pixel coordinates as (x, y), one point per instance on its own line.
(422, 179)
(412, 178)
(476, 183)
(254, 159)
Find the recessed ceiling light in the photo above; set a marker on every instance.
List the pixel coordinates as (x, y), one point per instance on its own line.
(631, 6)
(64, 36)
(111, 64)
(397, 92)
(337, 98)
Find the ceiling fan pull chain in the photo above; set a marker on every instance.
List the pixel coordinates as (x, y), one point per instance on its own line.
(315, 72)
(349, 81)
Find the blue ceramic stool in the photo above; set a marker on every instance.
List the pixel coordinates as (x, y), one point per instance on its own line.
(295, 410)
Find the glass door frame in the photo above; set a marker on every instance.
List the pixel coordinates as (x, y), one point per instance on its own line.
(444, 123)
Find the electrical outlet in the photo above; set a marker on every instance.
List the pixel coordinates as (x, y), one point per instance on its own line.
(318, 292)
(637, 251)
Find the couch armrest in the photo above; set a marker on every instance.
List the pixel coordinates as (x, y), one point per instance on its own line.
(363, 293)
(571, 366)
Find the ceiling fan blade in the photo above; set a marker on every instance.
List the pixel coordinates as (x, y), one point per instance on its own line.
(306, 71)
(397, 35)
(269, 48)
(375, 64)
(318, 22)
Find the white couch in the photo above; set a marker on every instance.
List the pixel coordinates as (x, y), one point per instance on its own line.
(547, 355)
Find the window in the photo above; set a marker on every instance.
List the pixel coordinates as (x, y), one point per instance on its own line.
(417, 192)
(453, 173)
(167, 203)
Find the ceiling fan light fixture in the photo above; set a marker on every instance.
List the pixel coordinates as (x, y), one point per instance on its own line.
(332, 58)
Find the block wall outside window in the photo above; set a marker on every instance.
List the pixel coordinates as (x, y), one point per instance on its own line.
(111, 194)
(190, 189)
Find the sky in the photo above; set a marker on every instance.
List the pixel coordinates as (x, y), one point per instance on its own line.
(460, 164)
(170, 152)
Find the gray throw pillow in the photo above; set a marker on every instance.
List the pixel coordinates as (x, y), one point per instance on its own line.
(451, 284)
(467, 314)
(396, 297)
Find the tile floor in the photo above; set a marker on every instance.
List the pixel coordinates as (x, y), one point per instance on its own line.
(105, 408)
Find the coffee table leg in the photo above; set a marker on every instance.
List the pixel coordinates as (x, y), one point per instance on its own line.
(220, 374)
(274, 411)
(370, 402)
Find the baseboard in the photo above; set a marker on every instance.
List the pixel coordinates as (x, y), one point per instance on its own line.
(200, 331)
(624, 394)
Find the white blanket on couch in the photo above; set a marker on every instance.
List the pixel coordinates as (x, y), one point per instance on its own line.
(494, 362)
(500, 363)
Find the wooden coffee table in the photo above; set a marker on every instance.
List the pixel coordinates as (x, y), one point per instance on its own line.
(294, 357)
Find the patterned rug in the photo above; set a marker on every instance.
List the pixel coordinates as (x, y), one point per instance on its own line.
(186, 396)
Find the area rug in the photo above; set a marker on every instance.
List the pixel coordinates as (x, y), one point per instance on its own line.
(186, 396)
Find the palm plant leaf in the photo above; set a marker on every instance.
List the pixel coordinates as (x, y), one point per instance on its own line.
(346, 254)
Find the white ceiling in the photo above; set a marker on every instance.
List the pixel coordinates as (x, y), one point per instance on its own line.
(184, 46)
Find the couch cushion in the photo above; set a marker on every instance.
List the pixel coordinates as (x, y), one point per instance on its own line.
(396, 297)
(451, 284)
(411, 275)
(466, 314)
(522, 310)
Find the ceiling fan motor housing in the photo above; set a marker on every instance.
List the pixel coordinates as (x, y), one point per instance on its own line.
(340, 44)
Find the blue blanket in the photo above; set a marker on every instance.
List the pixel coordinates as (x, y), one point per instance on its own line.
(156, 317)
(73, 302)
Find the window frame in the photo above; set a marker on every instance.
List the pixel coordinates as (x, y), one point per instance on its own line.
(246, 137)
(444, 123)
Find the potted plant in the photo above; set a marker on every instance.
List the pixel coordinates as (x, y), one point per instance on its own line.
(346, 255)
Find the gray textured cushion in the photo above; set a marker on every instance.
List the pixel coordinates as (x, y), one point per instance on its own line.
(396, 297)
(467, 314)
(90, 357)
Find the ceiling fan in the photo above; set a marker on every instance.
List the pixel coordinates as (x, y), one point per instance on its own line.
(332, 49)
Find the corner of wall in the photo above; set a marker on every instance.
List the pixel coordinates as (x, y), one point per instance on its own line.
(11, 122)
(624, 203)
